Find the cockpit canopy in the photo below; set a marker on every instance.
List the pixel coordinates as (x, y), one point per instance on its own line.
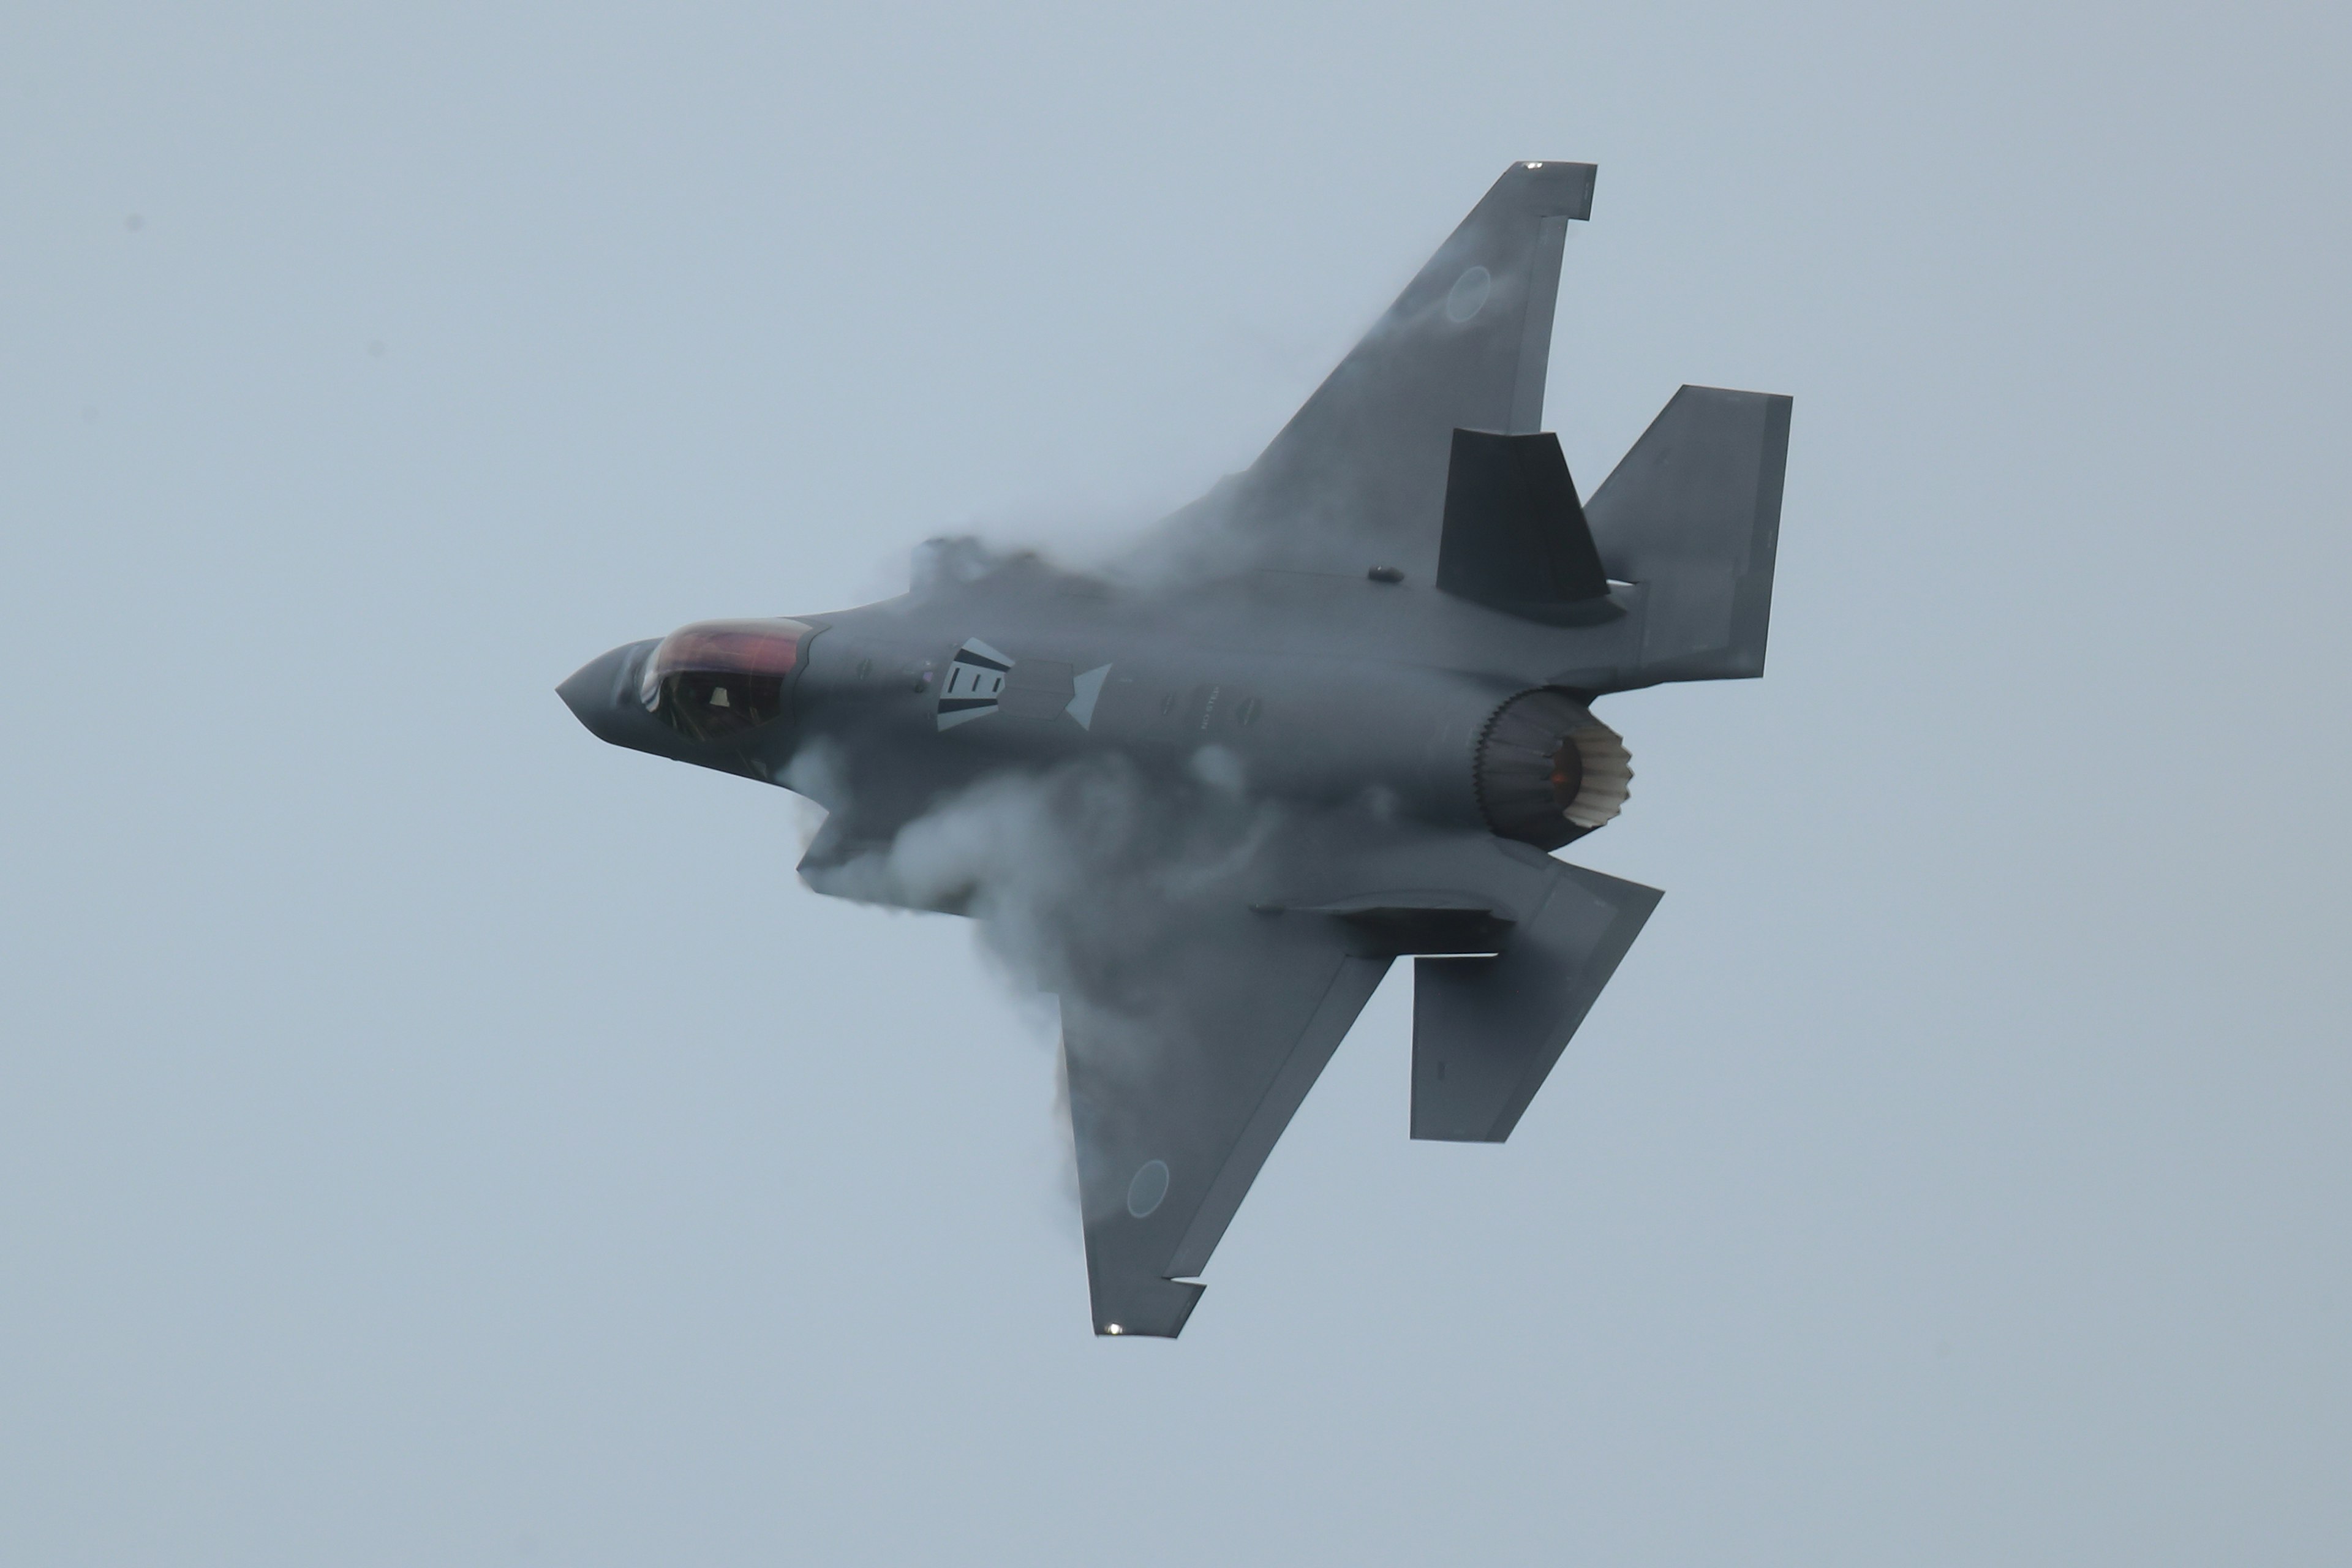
(715, 679)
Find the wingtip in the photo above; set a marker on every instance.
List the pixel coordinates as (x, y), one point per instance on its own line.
(1155, 1313)
(1566, 187)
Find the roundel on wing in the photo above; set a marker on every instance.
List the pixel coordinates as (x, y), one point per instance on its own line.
(1469, 294)
(1149, 1189)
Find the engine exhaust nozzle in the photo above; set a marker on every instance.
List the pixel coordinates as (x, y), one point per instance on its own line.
(1548, 771)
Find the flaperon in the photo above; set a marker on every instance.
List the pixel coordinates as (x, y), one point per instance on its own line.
(1340, 709)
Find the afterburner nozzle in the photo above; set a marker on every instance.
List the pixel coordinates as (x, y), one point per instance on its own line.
(1548, 771)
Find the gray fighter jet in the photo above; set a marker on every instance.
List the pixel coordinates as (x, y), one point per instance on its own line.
(1339, 710)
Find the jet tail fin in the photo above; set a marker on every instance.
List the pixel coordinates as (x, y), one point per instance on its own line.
(1692, 516)
(1514, 536)
(1485, 1031)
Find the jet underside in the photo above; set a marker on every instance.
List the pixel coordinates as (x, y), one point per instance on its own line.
(1338, 711)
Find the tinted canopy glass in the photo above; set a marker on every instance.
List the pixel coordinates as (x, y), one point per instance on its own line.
(717, 679)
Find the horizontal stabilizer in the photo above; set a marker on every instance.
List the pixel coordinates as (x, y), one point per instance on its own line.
(1692, 516)
(1485, 1031)
(1515, 537)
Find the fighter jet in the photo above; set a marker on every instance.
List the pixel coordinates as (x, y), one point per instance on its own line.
(1342, 709)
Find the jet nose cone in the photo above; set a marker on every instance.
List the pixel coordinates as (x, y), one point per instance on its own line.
(594, 692)
(577, 687)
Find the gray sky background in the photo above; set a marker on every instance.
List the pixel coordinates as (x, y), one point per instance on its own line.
(427, 1135)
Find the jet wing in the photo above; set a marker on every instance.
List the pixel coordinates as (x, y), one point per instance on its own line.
(1357, 478)
(1187, 1058)
(1179, 1087)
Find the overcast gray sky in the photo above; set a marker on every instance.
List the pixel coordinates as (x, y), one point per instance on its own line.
(429, 1136)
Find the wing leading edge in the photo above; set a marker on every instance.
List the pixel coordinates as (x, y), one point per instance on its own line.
(1357, 478)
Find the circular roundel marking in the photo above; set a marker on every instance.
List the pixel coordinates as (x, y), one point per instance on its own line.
(1149, 1188)
(1469, 295)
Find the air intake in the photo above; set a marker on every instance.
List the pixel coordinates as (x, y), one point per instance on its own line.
(1548, 771)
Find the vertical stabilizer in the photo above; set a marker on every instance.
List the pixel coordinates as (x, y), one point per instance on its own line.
(1515, 537)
